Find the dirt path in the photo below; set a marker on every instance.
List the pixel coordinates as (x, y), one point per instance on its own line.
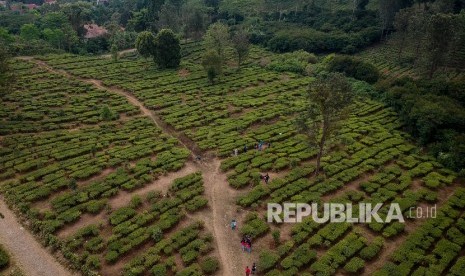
(181, 137)
(120, 53)
(31, 256)
(220, 195)
(222, 200)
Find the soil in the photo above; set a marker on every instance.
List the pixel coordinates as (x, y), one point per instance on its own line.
(32, 258)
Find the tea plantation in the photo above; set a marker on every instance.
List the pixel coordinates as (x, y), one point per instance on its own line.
(68, 150)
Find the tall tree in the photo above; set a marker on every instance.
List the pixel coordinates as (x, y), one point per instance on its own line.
(168, 17)
(241, 44)
(145, 44)
(78, 14)
(194, 17)
(401, 24)
(153, 7)
(417, 30)
(439, 32)
(55, 37)
(456, 56)
(139, 21)
(217, 39)
(114, 52)
(358, 6)
(30, 32)
(212, 64)
(388, 10)
(329, 98)
(167, 52)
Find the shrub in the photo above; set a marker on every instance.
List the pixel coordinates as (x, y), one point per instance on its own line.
(254, 227)
(276, 236)
(152, 196)
(121, 215)
(354, 68)
(4, 258)
(369, 252)
(459, 267)
(93, 262)
(111, 256)
(159, 270)
(354, 265)
(295, 62)
(267, 260)
(95, 206)
(95, 244)
(210, 265)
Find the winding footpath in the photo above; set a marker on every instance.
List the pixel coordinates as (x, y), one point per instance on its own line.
(29, 254)
(220, 195)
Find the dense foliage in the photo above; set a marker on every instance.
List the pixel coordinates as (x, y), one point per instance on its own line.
(434, 113)
(353, 68)
(167, 51)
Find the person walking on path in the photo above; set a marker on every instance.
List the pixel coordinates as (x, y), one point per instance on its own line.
(233, 224)
(236, 152)
(247, 271)
(254, 269)
(248, 245)
(267, 178)
(243, 244)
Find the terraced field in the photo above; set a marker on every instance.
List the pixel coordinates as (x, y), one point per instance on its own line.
(385, 57)
(118, 188)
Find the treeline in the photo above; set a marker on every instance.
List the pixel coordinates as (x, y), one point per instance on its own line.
(59, 28)
(434, 113)
(428, 36)
(429, 39)
(319, 30)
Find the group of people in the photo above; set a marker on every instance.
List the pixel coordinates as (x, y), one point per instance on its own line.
(246, 244)
(249, 271)
(258, 146)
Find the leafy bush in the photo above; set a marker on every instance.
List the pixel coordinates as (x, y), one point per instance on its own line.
(210, 265)
(254, 226)
(369, 252)
(4, 258)
(354, 265)
(111, 256)
(276, 236)
(93, 262)
(354, 68)
(295, 62)
(159, 270)
(267, 260)
(121, 215)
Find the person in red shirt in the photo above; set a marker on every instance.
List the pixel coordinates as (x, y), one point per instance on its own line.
(247, 271)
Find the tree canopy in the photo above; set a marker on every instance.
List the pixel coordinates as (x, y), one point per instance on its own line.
(167, 49)
(329, 97)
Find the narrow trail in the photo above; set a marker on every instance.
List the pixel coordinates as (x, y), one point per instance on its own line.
(220, 195)
(120, 53)
(30, 255)
(222, 199)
